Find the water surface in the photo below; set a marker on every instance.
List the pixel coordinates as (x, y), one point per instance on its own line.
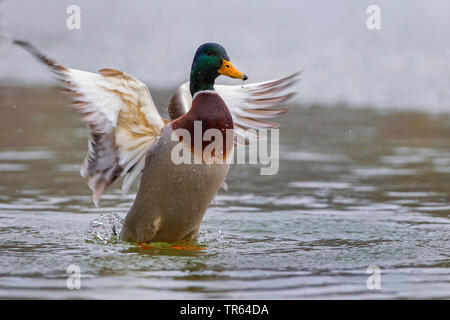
(355, 188)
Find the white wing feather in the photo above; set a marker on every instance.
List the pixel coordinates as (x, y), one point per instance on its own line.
(121, 116)
(249, 103)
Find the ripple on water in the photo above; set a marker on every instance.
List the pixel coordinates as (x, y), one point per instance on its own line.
(411, 194)
(382, 171)
(320, 185)
(314, 156)
(13, 167)
(26, 155)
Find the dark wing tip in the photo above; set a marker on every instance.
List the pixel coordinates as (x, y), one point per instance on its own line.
(28, 47)
(40, 56)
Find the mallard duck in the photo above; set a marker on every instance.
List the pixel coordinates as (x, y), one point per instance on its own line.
(127, 137)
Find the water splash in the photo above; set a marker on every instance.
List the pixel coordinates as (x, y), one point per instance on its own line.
(210, 233)
(105, 229)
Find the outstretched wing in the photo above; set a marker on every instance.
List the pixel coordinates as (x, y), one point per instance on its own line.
(249, 104)
(121, 117)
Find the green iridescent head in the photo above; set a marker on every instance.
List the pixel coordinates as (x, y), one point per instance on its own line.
(210, 61)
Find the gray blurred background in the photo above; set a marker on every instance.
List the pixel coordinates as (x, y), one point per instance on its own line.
(405, 65)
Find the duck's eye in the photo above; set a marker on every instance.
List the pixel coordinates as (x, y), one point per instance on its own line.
(209, 53)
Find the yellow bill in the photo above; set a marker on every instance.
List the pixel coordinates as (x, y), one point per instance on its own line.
(227, 69)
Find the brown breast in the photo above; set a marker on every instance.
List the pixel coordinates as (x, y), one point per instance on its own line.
(209, 108)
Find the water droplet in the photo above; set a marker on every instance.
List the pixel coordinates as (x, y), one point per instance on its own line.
(105, 229)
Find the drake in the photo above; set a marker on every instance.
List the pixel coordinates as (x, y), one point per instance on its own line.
(128, 137)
